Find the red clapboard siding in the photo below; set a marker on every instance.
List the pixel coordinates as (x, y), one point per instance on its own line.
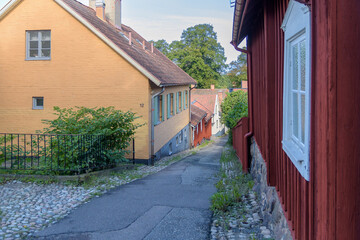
(239, 142)
(326, 207)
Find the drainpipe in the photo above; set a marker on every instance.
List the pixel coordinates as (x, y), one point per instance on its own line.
(152, 125)
(191, 139)
(248, 136)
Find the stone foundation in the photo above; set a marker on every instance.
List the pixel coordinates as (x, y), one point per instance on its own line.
(270, 206)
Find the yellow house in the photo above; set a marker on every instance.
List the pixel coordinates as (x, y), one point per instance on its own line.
(63, 53)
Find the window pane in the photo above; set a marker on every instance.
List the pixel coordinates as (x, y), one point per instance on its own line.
(295, 68)
(295, 115)
(34, 36)
(33, 44)
(33, 53)
(302, 63)
(39, 102)
(45, 44)
(303, 118)
(45, 52)
(45, 35)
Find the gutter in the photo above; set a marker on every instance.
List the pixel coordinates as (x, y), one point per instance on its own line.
(152, 157)
(247, 137)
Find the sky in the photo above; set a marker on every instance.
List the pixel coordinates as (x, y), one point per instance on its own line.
(166, 19)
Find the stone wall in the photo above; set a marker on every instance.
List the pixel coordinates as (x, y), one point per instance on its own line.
(270, 207)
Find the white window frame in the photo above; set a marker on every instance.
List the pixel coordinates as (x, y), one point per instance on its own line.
(296, 27)
(39, 32)
(35, 105)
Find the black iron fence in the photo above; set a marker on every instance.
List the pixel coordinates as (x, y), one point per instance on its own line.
(60, 153)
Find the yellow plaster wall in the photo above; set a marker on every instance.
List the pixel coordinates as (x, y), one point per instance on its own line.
(83, 71)
(167, 129)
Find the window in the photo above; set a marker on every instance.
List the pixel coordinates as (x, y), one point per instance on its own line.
(296, 97)
(38, 45)
(180, 102)
(160, 113)
(38, 102)
(170, 149)
(170, 105)
(159, 107)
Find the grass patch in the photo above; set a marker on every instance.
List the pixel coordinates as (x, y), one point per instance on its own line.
(205, 143)
(233, 184)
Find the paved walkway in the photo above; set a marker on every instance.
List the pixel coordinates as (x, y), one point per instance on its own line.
(172, 204)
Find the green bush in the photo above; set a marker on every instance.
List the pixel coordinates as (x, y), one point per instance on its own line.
(234, 107)
(115, 127)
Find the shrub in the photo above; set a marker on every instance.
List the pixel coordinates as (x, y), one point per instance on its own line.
(234, 107)
(117, 129)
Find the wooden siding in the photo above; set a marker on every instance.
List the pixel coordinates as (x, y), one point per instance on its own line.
(204, 134)
(327, 206)
(240, 142)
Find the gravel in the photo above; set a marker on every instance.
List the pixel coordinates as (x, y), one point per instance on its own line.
(29, 207)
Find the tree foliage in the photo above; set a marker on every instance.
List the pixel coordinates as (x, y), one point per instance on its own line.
(198, 53)
(234, 107)
(237, 70)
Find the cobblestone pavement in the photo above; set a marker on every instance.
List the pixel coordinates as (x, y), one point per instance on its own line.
(242, 220)
(28, 207)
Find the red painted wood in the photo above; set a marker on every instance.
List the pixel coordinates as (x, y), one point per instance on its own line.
(326, 207)
(239, 142)
(204, 134)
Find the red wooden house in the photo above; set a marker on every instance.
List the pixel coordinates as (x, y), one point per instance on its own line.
(304, 111)
(200, 124)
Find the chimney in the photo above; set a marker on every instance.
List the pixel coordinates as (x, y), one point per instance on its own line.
(112, 10)
(212, 86)
(152, 47)
(130, 41)
(100, 9)
(143, 44)
(244, 84)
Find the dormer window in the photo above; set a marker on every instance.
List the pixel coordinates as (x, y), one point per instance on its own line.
(38, 45)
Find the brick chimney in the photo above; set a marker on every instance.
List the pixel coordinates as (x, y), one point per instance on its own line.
(100, 9)
(112, 10)
(212, 86)
(244, 84)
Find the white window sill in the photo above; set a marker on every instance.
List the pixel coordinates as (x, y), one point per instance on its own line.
(37, 59)
(297, 156)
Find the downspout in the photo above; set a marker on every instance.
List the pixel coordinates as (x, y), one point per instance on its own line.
(247, 137)
(152, 125)
(191, 138)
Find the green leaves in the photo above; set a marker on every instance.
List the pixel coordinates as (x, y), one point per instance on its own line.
(234, 107)
(198, 53)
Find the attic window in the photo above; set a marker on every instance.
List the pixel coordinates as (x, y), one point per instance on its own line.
(38, 45)
(124, 36)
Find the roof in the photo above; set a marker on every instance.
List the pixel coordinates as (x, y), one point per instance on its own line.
(245, 16)
(197, 115)
(154, 65)
(207, 97)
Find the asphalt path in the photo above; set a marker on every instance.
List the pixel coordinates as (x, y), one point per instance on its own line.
(172, 204)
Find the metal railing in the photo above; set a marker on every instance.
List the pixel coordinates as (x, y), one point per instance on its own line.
(70, 153)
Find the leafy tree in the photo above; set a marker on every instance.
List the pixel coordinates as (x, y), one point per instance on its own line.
(237, 70)
(198, 53)
(234, 107)
(163, 46)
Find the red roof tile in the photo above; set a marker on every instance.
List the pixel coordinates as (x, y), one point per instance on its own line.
(157, 64)
(197, 115)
